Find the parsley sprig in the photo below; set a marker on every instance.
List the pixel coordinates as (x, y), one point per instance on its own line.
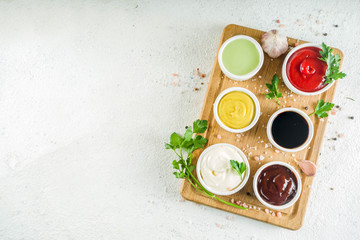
(240, 168)
(188, 144)
(322, 108)
(273, 88)
(333, 64)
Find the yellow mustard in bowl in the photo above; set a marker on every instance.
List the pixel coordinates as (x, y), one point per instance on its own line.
(236, 110)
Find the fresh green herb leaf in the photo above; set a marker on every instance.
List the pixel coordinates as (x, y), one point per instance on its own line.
(187, 143)
(321, 109)
(239, 167)
(183, 167)
(168, 146)
(175, 139)
(270, 95)
(350, 98)
(273, 88)
(188, 134)
(189, 160)
(242, 167)
(188, 146)
(200, 126)
(192, 144)
(176, 165)
(199, 142)
(191, 168)
(179, 175)
(333, 64)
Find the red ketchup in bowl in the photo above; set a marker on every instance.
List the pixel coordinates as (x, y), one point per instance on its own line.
(305, 70)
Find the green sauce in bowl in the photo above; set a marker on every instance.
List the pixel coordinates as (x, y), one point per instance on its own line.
(240, 57)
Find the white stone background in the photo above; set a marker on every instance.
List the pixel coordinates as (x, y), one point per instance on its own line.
(87, 101)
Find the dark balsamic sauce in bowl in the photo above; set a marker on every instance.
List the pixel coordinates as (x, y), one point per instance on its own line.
(290, 130)
(277, 185)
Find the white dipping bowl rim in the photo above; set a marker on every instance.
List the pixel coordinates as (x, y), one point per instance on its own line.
(277, 207)
(238, 188)
(304, 115)
(287, 81)
(250, 74)
(237, 89)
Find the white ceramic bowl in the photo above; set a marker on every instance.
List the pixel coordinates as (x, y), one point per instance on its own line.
(246, 76)
(304, 115)
(287, 81)
(237, 89)
(277, 207)
(238, 188)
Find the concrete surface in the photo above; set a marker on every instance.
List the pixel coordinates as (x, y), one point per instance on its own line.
(87, 100)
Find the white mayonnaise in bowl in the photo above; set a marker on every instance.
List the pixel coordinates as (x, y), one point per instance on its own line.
(215, 172)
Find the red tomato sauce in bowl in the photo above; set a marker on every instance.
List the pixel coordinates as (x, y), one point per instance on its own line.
(305, 70)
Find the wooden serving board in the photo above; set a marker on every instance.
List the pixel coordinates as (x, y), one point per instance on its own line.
(253, 142)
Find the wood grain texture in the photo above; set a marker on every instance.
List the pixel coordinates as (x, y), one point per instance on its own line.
(292, 218)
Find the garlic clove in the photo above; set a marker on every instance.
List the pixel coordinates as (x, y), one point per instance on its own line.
(274, 43)
(308, 167)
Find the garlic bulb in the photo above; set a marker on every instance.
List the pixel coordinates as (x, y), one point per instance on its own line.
(274, 43)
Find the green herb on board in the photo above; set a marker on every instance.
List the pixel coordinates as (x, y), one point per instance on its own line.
(184, 148)
(322, 108)
(273, 88)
